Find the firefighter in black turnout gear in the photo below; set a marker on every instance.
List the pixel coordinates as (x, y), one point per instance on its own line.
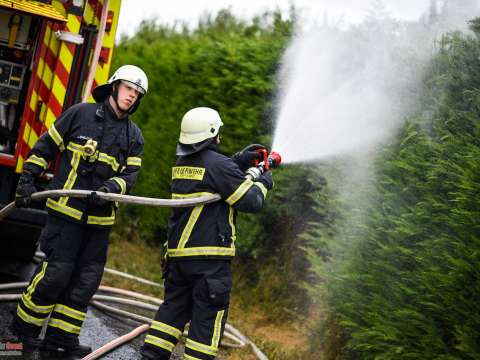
(201, 239)
(99, 148)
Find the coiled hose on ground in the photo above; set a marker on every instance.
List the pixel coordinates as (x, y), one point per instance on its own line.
(239, 340)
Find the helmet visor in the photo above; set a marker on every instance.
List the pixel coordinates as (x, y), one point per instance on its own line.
(132, 85)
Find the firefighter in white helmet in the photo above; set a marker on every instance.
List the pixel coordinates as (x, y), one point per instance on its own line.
(98, 148)
(201, 239)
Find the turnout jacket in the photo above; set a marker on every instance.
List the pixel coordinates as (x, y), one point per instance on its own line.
(206, 231)
(115, 162)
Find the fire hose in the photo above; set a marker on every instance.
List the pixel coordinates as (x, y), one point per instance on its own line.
(271, 160)
(126, 199)
(231, 333)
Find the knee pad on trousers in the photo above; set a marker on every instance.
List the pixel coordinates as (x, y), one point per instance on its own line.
(86, 282)
(55, 281)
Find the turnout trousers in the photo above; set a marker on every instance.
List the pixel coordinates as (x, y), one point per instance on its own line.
(197, 291)
(64, 282)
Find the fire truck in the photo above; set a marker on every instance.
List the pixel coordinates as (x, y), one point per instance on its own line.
(52, 53)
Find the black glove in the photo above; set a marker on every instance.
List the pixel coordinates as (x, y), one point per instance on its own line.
(96, 201)
(266, 179)
(25, 189)
(246, 157)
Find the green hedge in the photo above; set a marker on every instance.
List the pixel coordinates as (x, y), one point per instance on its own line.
(405, 280)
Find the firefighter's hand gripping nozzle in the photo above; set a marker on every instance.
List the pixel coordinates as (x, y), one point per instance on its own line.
(271, 160)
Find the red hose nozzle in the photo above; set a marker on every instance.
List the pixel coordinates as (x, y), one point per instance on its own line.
(274, 159)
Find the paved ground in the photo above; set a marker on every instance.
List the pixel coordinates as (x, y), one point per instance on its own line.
(99, 328)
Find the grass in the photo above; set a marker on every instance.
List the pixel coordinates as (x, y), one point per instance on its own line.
(279, 340)
(135, 258)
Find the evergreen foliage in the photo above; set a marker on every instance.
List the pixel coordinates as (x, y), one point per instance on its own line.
(225, 64)
(404, 282)
(273, 249)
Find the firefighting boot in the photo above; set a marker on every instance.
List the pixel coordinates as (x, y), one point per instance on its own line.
(148, 354)
(75, 352)
(29, 343)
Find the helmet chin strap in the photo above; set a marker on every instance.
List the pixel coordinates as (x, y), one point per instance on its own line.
(115, 98)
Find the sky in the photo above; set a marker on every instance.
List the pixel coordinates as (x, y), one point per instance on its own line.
(133, 12)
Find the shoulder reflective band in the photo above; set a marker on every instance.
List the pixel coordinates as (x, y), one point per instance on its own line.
(188, 173)
(56, 137)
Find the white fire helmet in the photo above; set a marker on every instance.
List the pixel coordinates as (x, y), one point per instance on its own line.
(135, 76)
(199, 124)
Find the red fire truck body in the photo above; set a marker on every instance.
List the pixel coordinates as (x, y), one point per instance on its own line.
(52, 53)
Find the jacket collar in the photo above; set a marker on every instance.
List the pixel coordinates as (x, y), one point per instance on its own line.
(105, 109)
(213, 146)
(189, 149)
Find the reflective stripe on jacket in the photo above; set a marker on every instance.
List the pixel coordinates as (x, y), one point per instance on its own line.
(115, 161)
(205, 230)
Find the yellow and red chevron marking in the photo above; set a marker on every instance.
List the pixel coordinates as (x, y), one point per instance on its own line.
(48, 85)
(93, 11)
(51, 72)
(103, 69)
(61, 73)
(28, 123)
